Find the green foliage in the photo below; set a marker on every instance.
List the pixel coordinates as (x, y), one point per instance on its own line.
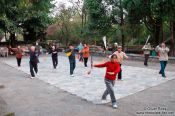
(21, 16)
(98, 19)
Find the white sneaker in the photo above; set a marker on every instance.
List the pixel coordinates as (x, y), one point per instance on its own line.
(32, 77)
(114, 106)
(103, 101)
(36, 74)
(72, 75)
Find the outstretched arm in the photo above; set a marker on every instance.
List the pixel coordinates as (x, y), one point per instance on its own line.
(100, 65)
(125, 56)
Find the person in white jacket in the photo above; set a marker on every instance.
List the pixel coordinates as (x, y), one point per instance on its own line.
(120, 56)
(163, 57)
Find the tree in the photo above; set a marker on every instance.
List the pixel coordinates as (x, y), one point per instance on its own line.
(98, 22)
(15, 16)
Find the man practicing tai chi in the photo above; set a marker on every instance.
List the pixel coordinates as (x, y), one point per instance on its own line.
(112, 69)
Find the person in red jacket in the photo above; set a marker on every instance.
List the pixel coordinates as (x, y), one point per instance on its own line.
(85, 54)
(112, 69)
(19, 53)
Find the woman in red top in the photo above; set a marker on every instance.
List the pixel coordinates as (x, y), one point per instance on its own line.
(112, 69)
(85, 52)
(18, 51)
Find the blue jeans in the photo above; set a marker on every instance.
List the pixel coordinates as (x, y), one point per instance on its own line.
(72, 67)
(162, 67)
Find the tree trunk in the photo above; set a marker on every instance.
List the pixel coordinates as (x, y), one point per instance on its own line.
(162, 39)
(121, 25)
(12, 40)
(172, 29)
(157, 32)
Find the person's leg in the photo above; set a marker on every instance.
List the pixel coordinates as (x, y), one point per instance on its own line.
(105, 93)
(17, 59)
(81, 57)
(36, 67)
(120, 73)
(109, 86)
(162, 68)
(85, 62)
(20, 61)
(53, 61)
(146, 59)
(71, 68)
(31, 69)
(160, 72)
(56, 61)
(74, 65)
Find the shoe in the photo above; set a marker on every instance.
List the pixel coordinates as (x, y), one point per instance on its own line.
(32, 77)
(72, 75)
(114, 106)
(104, 101)
(164, 76)
(36, 74)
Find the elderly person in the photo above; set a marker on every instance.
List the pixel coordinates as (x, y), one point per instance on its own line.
(146, 50)
(120, 56)
(163, 57)
(33, 62)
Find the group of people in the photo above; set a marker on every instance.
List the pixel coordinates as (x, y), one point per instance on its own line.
(83, 53)
(113, 66)
(162, 53)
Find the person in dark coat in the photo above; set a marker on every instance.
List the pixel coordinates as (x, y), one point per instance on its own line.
(54, 53)
(33, 63)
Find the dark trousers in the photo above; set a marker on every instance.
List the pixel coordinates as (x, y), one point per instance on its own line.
(109, 90)
(162, 67)
(120, 73)
(72, 67)
(81, 57)
(146, 59)
(18, 61)
(85, 62)
(33, 67)
(55, 61)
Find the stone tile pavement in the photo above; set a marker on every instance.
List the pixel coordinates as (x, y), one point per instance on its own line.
(91, 87)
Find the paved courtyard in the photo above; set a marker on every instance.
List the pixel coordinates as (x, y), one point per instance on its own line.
(91, 87)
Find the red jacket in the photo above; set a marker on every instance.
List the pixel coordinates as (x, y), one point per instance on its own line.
(85, 52)
(18, 52)
(110, 67)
